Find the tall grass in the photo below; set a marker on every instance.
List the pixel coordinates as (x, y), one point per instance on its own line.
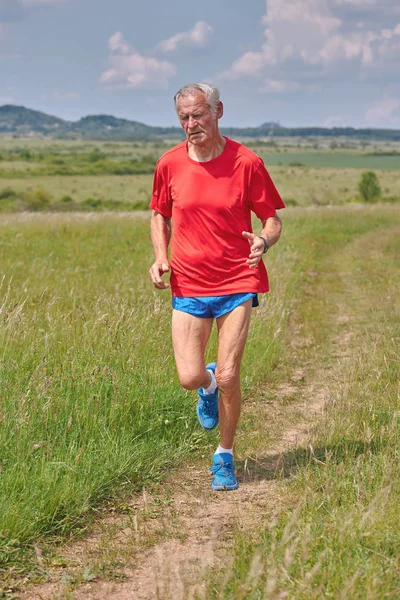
(90, 401)
(342, 538)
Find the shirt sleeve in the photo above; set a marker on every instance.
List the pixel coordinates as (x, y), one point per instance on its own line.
(264, 197)
(161, 200)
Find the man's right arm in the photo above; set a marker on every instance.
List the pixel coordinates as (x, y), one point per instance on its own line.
(160, 237)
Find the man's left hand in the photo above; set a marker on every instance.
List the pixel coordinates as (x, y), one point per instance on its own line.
(256, 248)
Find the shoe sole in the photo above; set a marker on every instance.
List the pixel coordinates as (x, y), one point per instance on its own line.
(225, 488)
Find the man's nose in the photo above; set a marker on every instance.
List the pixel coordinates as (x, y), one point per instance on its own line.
(192, 122)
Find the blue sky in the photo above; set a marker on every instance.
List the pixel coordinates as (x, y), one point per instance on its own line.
(296, 62)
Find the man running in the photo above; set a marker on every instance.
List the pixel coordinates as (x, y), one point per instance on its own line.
(209, 185)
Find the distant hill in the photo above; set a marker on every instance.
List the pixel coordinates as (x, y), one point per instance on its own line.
(100, 127)
(24, 122)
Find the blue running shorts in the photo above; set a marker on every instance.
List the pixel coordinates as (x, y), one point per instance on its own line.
(207, 307)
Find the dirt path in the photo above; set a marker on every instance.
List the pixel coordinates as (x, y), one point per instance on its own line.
(162, 544)
(168, 539)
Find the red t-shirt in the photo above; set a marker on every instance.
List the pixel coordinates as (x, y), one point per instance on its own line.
(210, 204)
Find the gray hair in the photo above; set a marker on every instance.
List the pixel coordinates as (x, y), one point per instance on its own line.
(210, 91)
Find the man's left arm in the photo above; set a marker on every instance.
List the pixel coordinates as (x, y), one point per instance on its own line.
(259, 244)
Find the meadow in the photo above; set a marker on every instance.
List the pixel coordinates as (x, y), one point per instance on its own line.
(96, 176)
(90, 399)
(91, 410)
(341, 536)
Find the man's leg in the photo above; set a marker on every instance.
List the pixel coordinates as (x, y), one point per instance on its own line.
(190, 335)
(232, 335)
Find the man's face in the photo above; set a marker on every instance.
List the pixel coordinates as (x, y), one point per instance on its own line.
(199, 123)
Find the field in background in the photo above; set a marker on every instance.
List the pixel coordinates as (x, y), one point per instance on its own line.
(72, 175)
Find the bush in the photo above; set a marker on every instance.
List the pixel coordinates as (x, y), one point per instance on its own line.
(92, 202)
(25, 155)
(66, 200)
(7, 194)
(96, 155)
(36, 200)
(8, 199)
(368, 187)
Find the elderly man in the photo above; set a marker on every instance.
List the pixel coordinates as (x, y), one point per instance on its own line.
(209, 185)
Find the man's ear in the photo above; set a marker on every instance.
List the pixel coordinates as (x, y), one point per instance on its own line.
(220, 110)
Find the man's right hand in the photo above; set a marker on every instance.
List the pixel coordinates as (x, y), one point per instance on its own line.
(156, 272)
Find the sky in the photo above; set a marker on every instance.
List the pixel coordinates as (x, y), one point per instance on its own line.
(295, 62)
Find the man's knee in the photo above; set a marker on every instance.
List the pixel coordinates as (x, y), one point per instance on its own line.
(190, 380)
(227, 378)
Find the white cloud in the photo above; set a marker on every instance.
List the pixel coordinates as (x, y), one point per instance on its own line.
(117, 42)
(297, 28)
(278, 86)
(250, 63)
(129, 69)
(339, 48)
(197, 37)
(302, 12)
(305, 38)
(384, 111)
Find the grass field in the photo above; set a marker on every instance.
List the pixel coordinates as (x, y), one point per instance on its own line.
(341, 539)
(333, 160)
(91, 407)
(72, 175)
(90, 398)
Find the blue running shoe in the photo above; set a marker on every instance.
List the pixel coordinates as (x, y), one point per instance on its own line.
(223, 470)
(207, 405)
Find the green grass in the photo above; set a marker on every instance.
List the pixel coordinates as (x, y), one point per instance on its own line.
(91, 404)
(333, 160)
(118, 175)
(123, 188)
(342, 537)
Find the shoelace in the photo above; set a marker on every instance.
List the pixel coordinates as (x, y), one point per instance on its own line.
(227, 467)
(210, 407)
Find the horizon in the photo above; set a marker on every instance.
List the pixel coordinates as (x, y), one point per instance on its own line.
(177, 126)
